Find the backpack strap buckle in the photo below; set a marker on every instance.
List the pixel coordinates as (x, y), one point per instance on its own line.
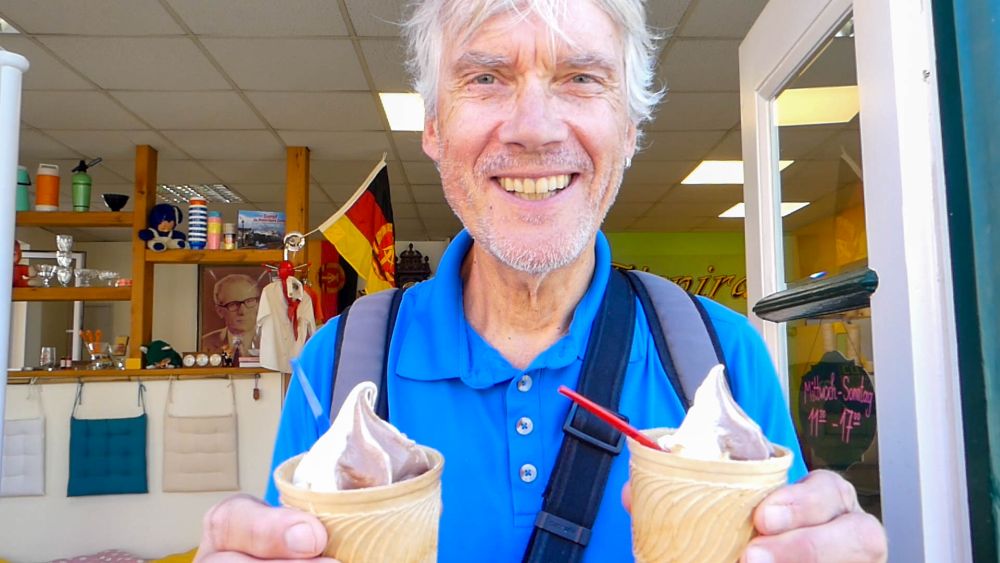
(563, 528)
(582, 435)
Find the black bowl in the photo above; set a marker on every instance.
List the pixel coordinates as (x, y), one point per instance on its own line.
(115, 202)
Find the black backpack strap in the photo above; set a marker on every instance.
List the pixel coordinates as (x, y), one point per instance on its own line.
(576, 486)
(682, 331)
(368, 320)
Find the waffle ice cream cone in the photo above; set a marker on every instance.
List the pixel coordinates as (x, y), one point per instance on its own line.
(693, 510)
(392, 523)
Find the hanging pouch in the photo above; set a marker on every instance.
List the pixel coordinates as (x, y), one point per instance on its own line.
(107, 456)
(200, 453)
(24, 451)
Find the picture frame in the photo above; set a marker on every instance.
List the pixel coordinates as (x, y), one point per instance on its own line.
(233, 321)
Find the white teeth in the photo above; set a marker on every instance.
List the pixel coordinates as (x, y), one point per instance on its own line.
(541, 187)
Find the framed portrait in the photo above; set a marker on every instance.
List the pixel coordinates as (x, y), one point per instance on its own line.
(227, 307)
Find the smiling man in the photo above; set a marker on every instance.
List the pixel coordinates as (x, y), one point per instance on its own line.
(533, 115)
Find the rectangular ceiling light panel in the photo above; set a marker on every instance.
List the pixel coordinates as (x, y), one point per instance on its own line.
(817, 106)
(404, 111)
(722, 172)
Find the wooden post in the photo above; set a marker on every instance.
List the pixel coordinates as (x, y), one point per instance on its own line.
(142, 271)
(297, 194)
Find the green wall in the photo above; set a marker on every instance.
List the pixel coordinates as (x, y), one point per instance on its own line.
(715, 263)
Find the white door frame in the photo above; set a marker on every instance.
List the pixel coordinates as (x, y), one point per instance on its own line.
(921, 446)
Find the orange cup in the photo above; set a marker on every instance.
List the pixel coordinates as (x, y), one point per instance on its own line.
(47, 188)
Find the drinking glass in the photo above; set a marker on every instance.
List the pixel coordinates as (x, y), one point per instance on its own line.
(45, 273)
(64, 276)
(64, 243)
(47, 358)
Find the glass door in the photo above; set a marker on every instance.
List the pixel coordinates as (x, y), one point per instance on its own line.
(847, 270)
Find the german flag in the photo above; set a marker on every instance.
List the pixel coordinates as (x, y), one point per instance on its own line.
(363, 234)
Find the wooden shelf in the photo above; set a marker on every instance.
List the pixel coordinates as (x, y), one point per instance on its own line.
(111, 374)
(214, 257)
(72, 294)
(74, 219)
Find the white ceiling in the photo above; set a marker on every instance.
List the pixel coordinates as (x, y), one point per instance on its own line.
(221, 87)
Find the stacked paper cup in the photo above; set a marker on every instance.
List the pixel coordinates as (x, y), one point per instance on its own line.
(197, 223)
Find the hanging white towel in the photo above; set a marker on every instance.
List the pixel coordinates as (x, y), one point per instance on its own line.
(24, 452)
(278, 343)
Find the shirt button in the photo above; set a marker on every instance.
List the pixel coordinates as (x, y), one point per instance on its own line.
(524, 426)
(528, 473)
(524, 384)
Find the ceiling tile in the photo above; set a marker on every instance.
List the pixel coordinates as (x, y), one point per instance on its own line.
(261, 18)
(442, 227)
(721, 18)
(730, 148)
(641, 193)
(678, 145)
(434, 211)
(248, 171)
(35, 144)
(421, 172)
(386, 61)
(258, 193)
(801, 142)
(665, 224)
(115, 144)
(183, 172)
(616, 224)
(700, 209)
(318, 111)
(376, 17)
(834, 66)
(340, 193)
(339, 145)
(350, 172)
(75, 110)
(404, 211)
(409, 144)
(664, 173)
(701, 65)
(319, 212)
(309, 65)
(684, 111)
(626, 209)
(428, 193)
(46, 72)
(139, 63)
(718, 225)
(683, 194)
(191, 110)
(95, 17)
(664, 16)
(228, 145)
(412, 229)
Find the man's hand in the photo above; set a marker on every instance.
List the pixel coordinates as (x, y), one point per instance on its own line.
(817, 520)
(242, 529)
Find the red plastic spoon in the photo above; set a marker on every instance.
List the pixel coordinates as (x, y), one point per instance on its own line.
(609, 417)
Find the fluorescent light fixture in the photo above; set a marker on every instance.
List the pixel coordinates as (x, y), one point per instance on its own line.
(5, 27)
(816, 106)
(405, 111)
(739, 211)
(181, 193)
(722, 172)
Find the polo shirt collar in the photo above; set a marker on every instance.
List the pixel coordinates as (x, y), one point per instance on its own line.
(438, 343)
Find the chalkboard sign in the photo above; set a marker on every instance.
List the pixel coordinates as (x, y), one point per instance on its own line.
(837, 411)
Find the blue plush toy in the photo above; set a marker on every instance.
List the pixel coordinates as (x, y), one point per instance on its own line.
(161, 234)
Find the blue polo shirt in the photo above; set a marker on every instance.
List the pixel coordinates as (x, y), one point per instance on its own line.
(500, 428)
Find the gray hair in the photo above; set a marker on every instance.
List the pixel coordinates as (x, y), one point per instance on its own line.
(230, 279)
(429, 19)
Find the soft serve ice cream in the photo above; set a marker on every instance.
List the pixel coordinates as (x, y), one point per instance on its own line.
(695, 502)
(360, 450)
(716, 427)
(376, 491)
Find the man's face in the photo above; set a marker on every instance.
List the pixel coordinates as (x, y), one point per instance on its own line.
(515, 116)
(237, 305)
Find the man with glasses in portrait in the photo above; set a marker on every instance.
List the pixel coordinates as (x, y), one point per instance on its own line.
(236, 299)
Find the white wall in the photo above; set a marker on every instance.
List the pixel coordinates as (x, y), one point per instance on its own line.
(149, 525)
